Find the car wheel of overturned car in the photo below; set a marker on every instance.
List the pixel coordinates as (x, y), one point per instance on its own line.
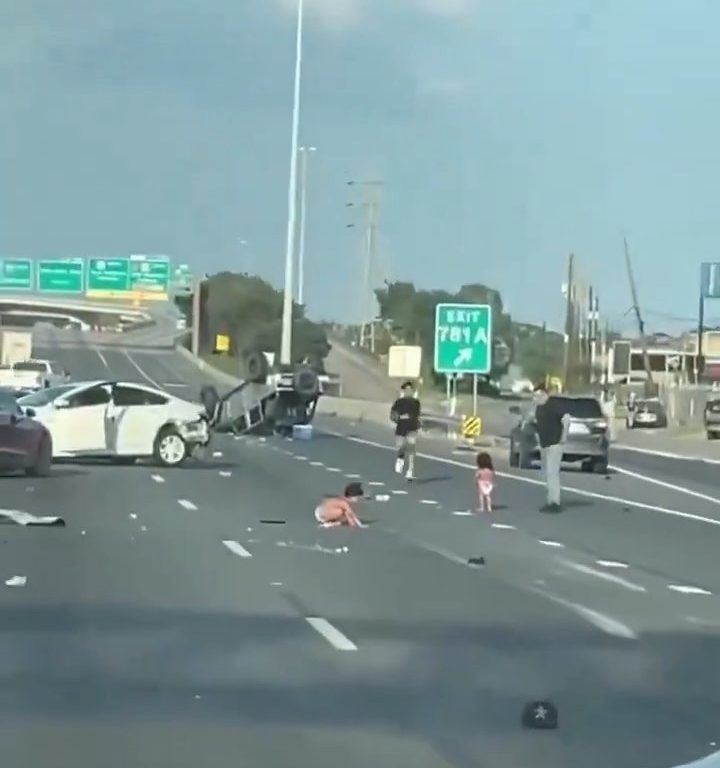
(43, 461)
(306, 383)
(524, 461)
(514, 457)
(256, 367)
(170, 450)
(600, 467)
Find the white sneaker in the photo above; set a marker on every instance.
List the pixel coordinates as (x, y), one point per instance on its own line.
(409, 475)
(399, 464)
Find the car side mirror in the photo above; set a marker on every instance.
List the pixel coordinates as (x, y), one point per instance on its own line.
(515, 410)
(61, 402)
(30, 413)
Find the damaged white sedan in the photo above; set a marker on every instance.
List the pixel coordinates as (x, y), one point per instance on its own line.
(119, 420)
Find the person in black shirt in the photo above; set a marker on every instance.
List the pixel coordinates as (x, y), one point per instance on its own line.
(405, 414)
(550, 419)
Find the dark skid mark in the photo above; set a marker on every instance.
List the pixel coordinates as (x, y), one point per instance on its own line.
(296, 604)
(272, 522)
(427, 480)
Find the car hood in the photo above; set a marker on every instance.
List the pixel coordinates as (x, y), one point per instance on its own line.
(184, 410)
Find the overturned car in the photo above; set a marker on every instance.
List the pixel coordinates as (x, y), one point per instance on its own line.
(262, 403)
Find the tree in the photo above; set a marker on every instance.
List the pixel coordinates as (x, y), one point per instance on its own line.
(410, 314)
(248, 310)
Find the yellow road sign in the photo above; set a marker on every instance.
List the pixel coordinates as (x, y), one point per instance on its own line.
(471, 426)
(222, 343)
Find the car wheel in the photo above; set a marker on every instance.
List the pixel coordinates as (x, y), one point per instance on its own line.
(524, 461)
(42, 466)
(170, 450)
(711, 435)
(588, 466)
(600, 467)
(514, 457)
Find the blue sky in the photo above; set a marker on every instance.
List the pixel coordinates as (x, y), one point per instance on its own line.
(508, 133)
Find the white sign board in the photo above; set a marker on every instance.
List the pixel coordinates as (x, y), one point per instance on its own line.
(404, 362)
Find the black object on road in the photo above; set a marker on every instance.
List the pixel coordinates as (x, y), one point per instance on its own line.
(540, 715)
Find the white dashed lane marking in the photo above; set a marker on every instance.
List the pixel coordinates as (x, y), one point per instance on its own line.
(609, 577)
(504, 527)
(237, 548)
(463, 513)
(549, 543)
(376, 484)
(316, 464)
(217, 454)
(353, 476)
(225, 474)
(333, 635)
(399, 493)
(187, 504)
(688, 590)
(612, 564)
(428, 501)
(333, 469)
(158, 478)
(301, 458)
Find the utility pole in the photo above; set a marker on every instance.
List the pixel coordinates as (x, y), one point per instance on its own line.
(650, 384)
(593, 317)
(569, 322)
(371, 207)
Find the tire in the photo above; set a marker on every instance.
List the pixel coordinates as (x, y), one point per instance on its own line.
(169, 450)
(42, 466)
(600, 467)
(306, 383)
(210, 399)
(524, 462)
(711, 435)
(256, 367)
(588, 466)
(514, 457)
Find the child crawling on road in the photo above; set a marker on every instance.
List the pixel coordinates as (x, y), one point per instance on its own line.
(485, 481)
(338, 510)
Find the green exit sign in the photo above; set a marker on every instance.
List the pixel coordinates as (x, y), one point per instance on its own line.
(463, 338)
(16, 274)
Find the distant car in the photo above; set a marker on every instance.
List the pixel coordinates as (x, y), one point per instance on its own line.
(36, 374)
(25, 444)
(647, 413)
(586, 437)
(119, 420)
(711, 418)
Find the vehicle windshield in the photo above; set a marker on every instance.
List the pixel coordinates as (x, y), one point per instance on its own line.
(8, 404)
(30, 365)
(581, 407)
(45, 396)
(650, 406)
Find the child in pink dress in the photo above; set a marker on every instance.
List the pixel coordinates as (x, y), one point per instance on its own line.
(485, 481)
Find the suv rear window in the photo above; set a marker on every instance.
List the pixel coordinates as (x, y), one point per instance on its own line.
(581, 407)
(30, 366)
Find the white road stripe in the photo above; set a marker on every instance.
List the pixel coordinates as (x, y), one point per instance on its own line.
(158, 478)
(317, 464)
(333, 469)
(187, 504)
(334, 636)
(688, 590)
(102, 358)
(400, 493)
(612, 564)
(669, 486)
(142, 372)
(463, 513)
(549, 543)
(376, 483)
(217, 454)
(428, 501)
(532, 481)
(237, 548)
(225, 474)
(353, 476)
(664, 454)
(588, 571)
(301, 458)
(605, 623)
(504, 527)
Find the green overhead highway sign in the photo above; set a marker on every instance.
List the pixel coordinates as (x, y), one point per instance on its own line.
(108, 276)
(150, 274)
(61, 275)
(463, 338)
(16, 275)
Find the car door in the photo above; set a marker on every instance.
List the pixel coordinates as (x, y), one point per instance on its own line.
(77, 422)
(134, 417)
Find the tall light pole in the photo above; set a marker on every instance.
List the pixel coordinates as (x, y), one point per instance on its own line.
(287, 316)
(305, 151)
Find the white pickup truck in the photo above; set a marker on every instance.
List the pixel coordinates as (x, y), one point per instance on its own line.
(33, 374)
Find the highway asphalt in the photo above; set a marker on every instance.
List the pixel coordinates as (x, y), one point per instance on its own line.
(168, 625)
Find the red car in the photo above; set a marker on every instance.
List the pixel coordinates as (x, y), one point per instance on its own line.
(25, 444)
